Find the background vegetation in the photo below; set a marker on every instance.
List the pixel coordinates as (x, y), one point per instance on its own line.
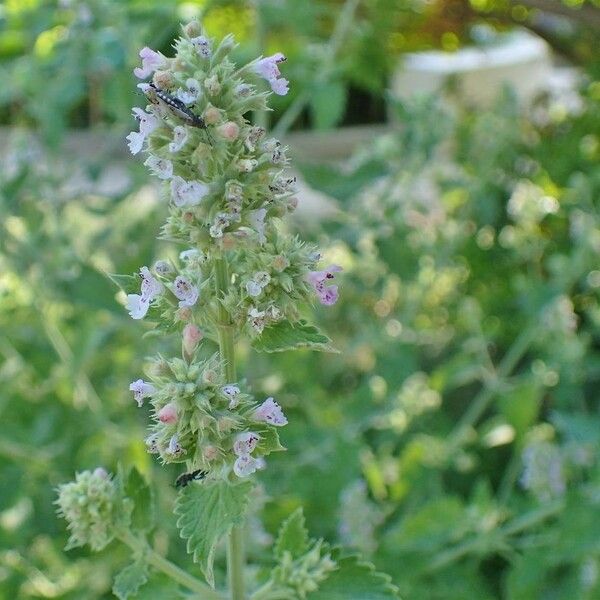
(455, 439)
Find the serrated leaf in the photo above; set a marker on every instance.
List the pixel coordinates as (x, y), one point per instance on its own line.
(136, 488)
(292, 536)
(354, 579)
(290, 336)
(206, 513)
(131, 579)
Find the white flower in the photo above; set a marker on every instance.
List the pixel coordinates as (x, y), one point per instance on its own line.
(253, 288)
(270, 412)
(191, 94)
(246, 165)
(221, 221)
(257, 220)
(150, 287)
(161, 167)
(180, 136)
(163, 267)
(185, 292)
(151, 61)
(187, 193)
(257, 319)
(137, 306)
(174, 447)
(232, 392)
(267, 67)
(141, 390)
(148, 123)
(245, 443)
(242, 90)
(152, 443)
(202, 46)
(262, 278)
(245, 465)
(280, 86)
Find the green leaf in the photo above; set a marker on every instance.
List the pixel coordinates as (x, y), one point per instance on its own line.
(354, 579)
(125, 282)
(136, 488)
(293, 536)
(328, 103)
(207, 512)
(289, 336)
(131, 579)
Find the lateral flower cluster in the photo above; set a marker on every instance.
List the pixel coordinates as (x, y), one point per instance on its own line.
(226, 188)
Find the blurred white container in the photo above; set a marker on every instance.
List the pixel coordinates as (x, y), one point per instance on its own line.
(518, 58)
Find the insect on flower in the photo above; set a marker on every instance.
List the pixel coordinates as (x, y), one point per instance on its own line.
(186, 478)
(177, 107)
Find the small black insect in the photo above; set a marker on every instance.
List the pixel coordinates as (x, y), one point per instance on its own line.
(185, 478)
(178, 107)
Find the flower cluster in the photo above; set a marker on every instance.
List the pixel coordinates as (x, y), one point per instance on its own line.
(87, 504)
(199, 417)
(226, 187)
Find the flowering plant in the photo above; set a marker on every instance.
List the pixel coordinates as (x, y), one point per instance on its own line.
(239, 275)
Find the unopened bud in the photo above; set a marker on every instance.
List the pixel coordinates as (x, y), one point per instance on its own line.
(192, 335)
(229, 131)
(212, 85)
(184, 314)
(211, 115)
(210, 453)
(168, 413)
(192, 29)
(163, 79)
(280, 263)
(228, 242)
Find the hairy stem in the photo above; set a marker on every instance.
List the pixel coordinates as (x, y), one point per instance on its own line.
(235, 546)
(171, 570)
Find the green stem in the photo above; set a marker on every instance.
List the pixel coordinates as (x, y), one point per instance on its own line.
(344, 24)
(488, 392)
(235, 546)
(518, 525)
(160, 563)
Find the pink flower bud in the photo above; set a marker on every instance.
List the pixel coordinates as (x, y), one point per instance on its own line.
(229, 131)
(100, 472)
(168, 413)
(192, 335)
(210, 452)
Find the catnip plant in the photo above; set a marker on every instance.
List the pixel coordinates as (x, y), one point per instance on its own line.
(238, 275)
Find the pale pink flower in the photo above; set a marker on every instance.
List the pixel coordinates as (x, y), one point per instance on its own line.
(141, 389)
(270, 412)
(245, 443)
(245, 465)
(187, 193)
(185, 291)
(137, 306)
(151, 61)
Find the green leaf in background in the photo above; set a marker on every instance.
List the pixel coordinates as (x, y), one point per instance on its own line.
(520, 405)
(328, 103)
(354, 579)
(207, 511)
(293, 536)
(131, 579)
(289, 336)
(125, 282)
(136, 488)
